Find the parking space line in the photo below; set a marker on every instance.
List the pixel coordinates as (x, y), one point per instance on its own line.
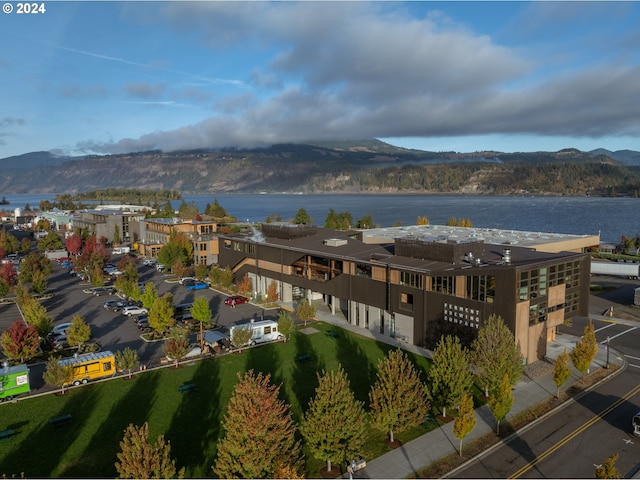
(622, 333)
(606, 326)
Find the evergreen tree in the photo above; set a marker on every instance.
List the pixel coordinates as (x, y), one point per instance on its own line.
(449, 376)
(494, 353)
(116, 234)
(466, 420)
(608, 469)
(501, 401)
(259, 437)
(334, 427)
(20, 342)
(561, 371)
(302, 218)
(140, 459)
(127, 360)
(585, 350)
(398, 400)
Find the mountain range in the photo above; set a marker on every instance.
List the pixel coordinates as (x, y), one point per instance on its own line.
(364, 166)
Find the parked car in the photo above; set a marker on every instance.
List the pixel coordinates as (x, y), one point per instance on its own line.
(235, 300)
(60, 328)
(110, 304)
(134, 310)
(143, 325)
(141, 317)
(58, 341)
(149, 262)
(103, 291)
(186, 279)
(198, 286)
(123, 304)
(160, 267)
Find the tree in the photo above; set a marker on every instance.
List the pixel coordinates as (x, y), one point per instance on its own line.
(244, 287)
(201, 271)
(306, 311)
(149, 296)
(201, 311)
(20, 342)
(272, 292)
(116, 234)
(73, 243)
(51, 242)
(466, 420)
(585, 350)
(608, 469)
(285, 324)
(259, 437)
(422, 220)
(334, 426)
(398, 399)
(8, 273)
(36, 314)
(79, 332)
(161, 314)
(127, 360)
(494, 353)
(241, 336)
(176, 346)
(561, 371)
(366, 222)
(57, 375)
(140, 459)
(39, 282)
(302, 217)
(501, 400)
(449, 377)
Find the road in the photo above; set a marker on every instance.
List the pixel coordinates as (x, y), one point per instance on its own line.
(573, 441)
(114, 331)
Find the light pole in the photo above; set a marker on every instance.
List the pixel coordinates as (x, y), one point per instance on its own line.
(606, 345)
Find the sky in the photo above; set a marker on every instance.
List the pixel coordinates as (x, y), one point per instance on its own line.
(115, 77)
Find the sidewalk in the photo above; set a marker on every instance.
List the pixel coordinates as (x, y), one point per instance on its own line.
(413, 456)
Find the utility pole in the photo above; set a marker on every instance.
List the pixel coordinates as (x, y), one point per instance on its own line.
(606, 345)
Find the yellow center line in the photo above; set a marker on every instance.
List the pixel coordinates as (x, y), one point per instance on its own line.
(574, 434)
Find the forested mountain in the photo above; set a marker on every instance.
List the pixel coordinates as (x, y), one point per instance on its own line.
(367, 166)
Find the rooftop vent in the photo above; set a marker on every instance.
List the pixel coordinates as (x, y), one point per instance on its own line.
(335, 242)
(506, 255)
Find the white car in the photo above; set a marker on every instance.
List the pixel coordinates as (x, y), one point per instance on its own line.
(133, 310)
(187, 279)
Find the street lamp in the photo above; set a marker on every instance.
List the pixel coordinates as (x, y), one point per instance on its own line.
(606, 346)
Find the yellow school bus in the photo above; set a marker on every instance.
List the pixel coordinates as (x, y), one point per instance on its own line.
(90, 366)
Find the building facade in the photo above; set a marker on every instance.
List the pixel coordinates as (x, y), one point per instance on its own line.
(416, 287)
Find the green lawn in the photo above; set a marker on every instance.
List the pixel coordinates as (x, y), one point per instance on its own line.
(87, 447)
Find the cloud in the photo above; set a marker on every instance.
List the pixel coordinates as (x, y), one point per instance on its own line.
(359, 70)
(144, 90)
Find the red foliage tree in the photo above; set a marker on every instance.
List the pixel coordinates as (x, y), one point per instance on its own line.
(74, 243)
(20, 342)
(8, 273)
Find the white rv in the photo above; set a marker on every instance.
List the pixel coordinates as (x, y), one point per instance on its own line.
(263, 331)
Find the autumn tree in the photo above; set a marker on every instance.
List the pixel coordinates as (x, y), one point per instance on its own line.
(161, 314)
(306, 311)
(241, 336)
(201, 271)
(79, 332)
(259, 437)
(334, 426)
(608, 469)
(449, 377)
(8, 273)
(398, 399)
(585, 350)
(495, 352)
(140, 459)
(465, 421)
(422, 220)
(149, 296)
(36, 314)
(561, 371)
(127, 360)
(244, 286)
(501, 401)
(32, 263)
(20, 342)
(73, 243)
(51, 242)
(57, 375)
(177, 346)
(285, 324)
(201, 311)
(272, 292)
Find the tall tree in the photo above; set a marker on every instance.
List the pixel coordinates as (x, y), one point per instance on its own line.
(608, 469)
(241, 336)
(73, 243)
(494, 353)
(116, 235)
(140, 459)
(177, 346)
(127, 360)
(334, 426)
(201, 311)
(272, 292)
(57, 375)
(285, 324)
(244, 286)
(398, 399)
(449, 376)
(302, 218)
(20, 342)
(79, 332)
(585, 350)
(306, 311)
(149, 296)
(161, 314)
(561, 371)
(259, 434)
(501, 401)
(466, 420)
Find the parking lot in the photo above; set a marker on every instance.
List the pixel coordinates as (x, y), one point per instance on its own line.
(115, 331)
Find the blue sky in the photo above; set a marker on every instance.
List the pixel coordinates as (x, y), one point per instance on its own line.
(113, 77)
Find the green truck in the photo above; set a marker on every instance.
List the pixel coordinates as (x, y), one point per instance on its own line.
(13, 381)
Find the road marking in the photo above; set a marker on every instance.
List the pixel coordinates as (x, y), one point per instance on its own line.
(634, 365)
(606, 326)
(575, 433)
(628, 441)
(622, 333)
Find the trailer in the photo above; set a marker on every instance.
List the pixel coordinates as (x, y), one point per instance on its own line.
(621, 269)
(635, 423)
(263, 331)
(89, 366)
(13, 381)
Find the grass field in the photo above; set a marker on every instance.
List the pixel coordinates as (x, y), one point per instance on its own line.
(191, 421)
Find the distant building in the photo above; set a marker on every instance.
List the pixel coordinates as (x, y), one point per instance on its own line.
(103, 223)
(418, 283)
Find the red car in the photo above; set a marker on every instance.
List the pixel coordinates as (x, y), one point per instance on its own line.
(235, 300)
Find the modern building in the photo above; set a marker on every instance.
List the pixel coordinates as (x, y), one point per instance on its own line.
(156, 232)
(418, 283)
(105, 223)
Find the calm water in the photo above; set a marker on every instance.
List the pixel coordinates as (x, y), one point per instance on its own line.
(611, 217)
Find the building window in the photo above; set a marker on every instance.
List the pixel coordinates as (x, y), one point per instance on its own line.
(363, 270)
(406, 298)
(443, 285)
(227, 244)
(411, 279)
